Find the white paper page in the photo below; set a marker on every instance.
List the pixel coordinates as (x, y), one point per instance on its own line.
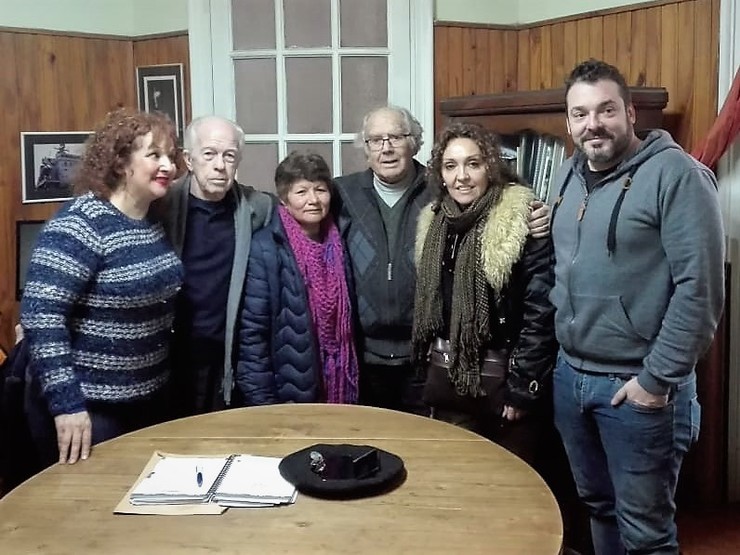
(254, 476)
(178, 476)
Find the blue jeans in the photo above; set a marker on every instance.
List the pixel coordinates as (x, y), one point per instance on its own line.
(625, 459)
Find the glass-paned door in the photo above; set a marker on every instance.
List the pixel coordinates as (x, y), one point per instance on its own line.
(300, 74)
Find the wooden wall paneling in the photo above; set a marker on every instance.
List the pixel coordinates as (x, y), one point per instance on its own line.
(525, 55)
(27, 55)
(558, 70)
(74, 107)
(454, 61)
(10, 174)
(596, 37)
(685, 56)
(46, 80)
(483, 55)
(653, 47)
(37, 90)
(468, 60)
(669, 53)
(716, 9)
(535, 57)
(122, 79)
(119, 86)
(583, 50)
(570, 46)
(511, 47)
(545, 71)
(624, 42)
(441, 71)
(669, 65)
(704, 101)
(638, 58)
(609, 43)
(496, 55)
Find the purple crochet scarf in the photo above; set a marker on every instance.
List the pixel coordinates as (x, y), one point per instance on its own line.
(322, 267)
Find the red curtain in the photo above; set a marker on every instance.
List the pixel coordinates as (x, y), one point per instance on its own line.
(723, 131)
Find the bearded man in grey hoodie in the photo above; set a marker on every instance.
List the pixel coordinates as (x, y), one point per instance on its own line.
(639, 249)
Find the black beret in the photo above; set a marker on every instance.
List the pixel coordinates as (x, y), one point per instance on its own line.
(296, 468)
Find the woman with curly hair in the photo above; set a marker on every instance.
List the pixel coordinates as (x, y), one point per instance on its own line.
(98, 298)
(483, 325)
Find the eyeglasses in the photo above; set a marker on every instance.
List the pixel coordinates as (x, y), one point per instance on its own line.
(376, 143)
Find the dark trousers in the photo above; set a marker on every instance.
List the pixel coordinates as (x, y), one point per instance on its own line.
(109, 420)
(392, 387)
(520, 437)
(196, 378)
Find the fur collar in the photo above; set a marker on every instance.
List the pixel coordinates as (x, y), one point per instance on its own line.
(504, 234)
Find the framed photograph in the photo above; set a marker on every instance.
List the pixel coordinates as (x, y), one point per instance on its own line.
(49, 161)
(26, 234)
(160, 89)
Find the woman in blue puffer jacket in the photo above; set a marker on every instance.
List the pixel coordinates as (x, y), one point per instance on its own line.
(296, 340)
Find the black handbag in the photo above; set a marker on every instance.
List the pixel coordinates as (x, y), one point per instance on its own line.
(439, 392)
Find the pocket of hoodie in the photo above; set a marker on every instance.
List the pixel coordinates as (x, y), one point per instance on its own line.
(600, 329)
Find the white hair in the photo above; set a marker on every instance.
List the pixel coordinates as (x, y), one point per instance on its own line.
(410, 123)
(191, 139)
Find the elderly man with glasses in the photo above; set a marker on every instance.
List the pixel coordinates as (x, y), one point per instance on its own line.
(379, 210)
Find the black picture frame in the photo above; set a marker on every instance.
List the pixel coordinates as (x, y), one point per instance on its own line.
(26, 234)
(48, 163)
(160, 88)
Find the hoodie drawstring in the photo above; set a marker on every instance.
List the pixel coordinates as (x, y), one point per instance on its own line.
(611, 236)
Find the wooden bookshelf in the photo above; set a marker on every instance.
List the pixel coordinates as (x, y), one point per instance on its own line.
(542, 111)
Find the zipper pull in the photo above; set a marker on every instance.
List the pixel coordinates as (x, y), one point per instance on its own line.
(582, 209)
(390, 271)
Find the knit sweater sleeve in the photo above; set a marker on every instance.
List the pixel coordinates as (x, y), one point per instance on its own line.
(63, 263)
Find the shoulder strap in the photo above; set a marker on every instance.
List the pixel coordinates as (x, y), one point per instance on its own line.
(561, 193)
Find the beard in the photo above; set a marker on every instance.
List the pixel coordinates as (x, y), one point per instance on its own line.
(610, 151)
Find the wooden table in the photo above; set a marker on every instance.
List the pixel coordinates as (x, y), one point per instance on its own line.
(463, 494)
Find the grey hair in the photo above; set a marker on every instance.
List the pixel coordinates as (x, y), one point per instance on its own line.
(190, 140)
(410, 123)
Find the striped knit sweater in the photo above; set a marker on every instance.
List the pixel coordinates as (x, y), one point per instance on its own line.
(98, 306)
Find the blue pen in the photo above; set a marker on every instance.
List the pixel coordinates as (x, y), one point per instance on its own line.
(199, 476)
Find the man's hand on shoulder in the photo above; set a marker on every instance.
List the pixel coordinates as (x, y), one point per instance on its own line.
(633, 392)
(539, 220)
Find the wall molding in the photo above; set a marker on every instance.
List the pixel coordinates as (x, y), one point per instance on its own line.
(564, 19)
(77, 34)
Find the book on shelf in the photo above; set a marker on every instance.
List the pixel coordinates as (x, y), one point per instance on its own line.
(236, 480)
(537, 159)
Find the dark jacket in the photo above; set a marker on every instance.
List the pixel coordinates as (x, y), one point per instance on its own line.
(278, 360)
(18, 460)
(519, 272)
(384, 281)
(253, 209)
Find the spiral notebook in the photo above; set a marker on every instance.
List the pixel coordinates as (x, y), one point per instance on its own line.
(237, 480)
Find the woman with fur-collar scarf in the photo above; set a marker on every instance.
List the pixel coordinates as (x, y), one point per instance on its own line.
(482, 292)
